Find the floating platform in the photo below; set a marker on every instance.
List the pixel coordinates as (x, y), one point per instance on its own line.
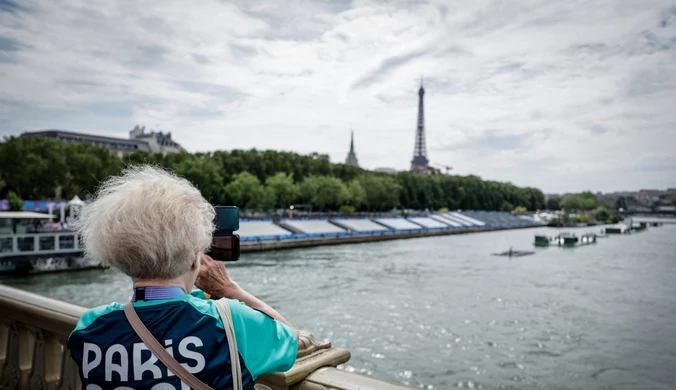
(567, 240)
(542, 241)
(639, 227)
(617, 229)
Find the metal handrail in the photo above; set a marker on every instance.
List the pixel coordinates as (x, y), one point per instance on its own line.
(34, 352)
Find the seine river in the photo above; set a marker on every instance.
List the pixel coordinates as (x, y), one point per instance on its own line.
(441, 312)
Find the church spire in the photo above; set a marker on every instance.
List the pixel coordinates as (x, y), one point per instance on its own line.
(352, 156)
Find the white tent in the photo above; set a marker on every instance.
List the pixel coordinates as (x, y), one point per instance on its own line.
(75, 205)
(76, 201)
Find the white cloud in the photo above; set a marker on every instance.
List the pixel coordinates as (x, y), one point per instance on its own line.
(559, 95)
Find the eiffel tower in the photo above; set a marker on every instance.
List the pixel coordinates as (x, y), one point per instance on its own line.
(420, 163)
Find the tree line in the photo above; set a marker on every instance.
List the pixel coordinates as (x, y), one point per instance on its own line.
(42, 168)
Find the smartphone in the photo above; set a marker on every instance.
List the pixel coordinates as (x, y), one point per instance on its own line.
(227, 219)
(225, 243)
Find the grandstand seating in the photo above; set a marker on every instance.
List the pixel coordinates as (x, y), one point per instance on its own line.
(445, 218)
(429, 223)
(466, 219)
(257, 228)
(312, 226)
(398, 223)
(359, 224)
(498, 218)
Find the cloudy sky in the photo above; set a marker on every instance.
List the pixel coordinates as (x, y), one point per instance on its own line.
(565, 96)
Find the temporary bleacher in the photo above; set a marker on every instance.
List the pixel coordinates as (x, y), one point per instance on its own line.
(258, 228)
(359, 224)
(428, 222)
(464, 218)
(490, 219)
(498, 218)
(445, 218)
(460, 219)
(398, 223)
(312, 226)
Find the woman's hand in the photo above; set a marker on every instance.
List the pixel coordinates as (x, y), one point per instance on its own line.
(214, 279)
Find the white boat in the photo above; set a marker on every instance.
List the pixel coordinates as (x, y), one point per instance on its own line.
(26, 239)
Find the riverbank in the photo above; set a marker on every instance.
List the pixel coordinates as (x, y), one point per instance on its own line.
(335, 239)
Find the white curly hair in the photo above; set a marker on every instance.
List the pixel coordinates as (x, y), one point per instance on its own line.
(147, 222)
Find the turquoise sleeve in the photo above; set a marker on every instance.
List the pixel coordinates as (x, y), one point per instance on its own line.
(197, 293)
(266, 345)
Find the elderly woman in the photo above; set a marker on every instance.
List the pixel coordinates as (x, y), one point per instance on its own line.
(156, 227)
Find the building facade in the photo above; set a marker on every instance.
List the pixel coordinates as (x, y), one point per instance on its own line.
(158, 142)
(139, 141)
(118, 146)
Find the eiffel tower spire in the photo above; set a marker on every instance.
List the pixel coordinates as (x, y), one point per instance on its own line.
(420, 163)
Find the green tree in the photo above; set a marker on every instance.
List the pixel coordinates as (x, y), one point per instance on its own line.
(47, 165)
(346, 210)
(382, 192)
(553, 204)
(246, 191)
(32, 167)
(205, 174)
(266, 200)
(506, 206)
(571, 203)
(15, 202)
(621, 203)
(324, 191)
(357, 194)
(602, 214)
(283, 190)
(86, 167)
(584, 201)
(520, 210)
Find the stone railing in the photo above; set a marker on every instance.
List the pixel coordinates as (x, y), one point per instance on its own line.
(34, 353)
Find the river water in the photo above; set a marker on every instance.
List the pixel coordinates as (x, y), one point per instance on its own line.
(441, 312)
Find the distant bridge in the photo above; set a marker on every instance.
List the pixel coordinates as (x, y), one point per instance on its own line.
(661, 212)
(650, 219)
